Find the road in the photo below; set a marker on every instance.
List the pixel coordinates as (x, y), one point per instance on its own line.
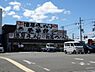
(46, 62)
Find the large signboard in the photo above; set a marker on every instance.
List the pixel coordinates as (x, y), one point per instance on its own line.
(33, 30)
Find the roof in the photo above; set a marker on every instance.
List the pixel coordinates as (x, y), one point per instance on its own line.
(8, 28)
(72, 42)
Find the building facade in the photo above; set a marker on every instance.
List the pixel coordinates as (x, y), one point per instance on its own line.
(33, 30)
(32, 35)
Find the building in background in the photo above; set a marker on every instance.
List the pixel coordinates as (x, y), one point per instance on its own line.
(32, 35)
(33, 30)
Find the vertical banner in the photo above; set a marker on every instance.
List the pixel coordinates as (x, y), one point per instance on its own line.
(0, 21)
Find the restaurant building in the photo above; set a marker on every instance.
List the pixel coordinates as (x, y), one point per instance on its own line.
(32, 35)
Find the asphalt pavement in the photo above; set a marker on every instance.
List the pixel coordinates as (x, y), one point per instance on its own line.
(46, 62)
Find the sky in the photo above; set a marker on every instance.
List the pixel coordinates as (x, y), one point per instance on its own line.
(62, 12)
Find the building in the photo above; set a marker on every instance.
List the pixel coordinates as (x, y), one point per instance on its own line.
(32, 35)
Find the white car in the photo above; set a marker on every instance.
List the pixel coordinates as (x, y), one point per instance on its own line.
(50, 47)
(73, 47)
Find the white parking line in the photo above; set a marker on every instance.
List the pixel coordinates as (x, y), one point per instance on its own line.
(82, 63)
(73, 63)
(92, 61)
(78, 58)
(22, 67)
(46, 69)
(29, 62)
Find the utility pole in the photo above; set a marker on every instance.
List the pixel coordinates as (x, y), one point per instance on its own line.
(63, 31)
(0, 21)
(73, 36)
(80, 27)
(93, 28)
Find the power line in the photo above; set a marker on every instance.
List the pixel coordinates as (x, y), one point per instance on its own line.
(89, 19)
(69, 24)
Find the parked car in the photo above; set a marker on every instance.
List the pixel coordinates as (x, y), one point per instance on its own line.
(50, 47)
(73, 47)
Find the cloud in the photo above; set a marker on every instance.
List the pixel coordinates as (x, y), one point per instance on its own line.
(16, 5)
(2, 8)
(11, 13)
(40, 12)
(8, 8)
(90, 33)
(67, 12)
(53, 18)
(28, 13)
(17, 16)
(5, 10)
(48, 7)
(38, 17)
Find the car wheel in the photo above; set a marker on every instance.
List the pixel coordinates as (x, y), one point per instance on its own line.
(74, 52)
(65, 52)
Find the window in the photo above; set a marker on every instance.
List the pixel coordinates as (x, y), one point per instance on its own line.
(72, 44)
(26, 24)
(32, 24)
(77, 44)
(67, 44)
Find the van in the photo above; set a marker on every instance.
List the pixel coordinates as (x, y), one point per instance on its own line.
(50, 47)
(73, 47)
(1, 48)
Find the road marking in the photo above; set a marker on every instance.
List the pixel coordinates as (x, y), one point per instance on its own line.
(23, 52)
(46, 69)
(73, 63)
(22, 67)
(92, 61)
(82, 63)
(78, 58)
(29, 62)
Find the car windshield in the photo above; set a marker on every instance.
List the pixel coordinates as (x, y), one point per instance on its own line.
(51, 45)
(77, 44)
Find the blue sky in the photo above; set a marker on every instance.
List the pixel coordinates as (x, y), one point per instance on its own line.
(62, 12)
